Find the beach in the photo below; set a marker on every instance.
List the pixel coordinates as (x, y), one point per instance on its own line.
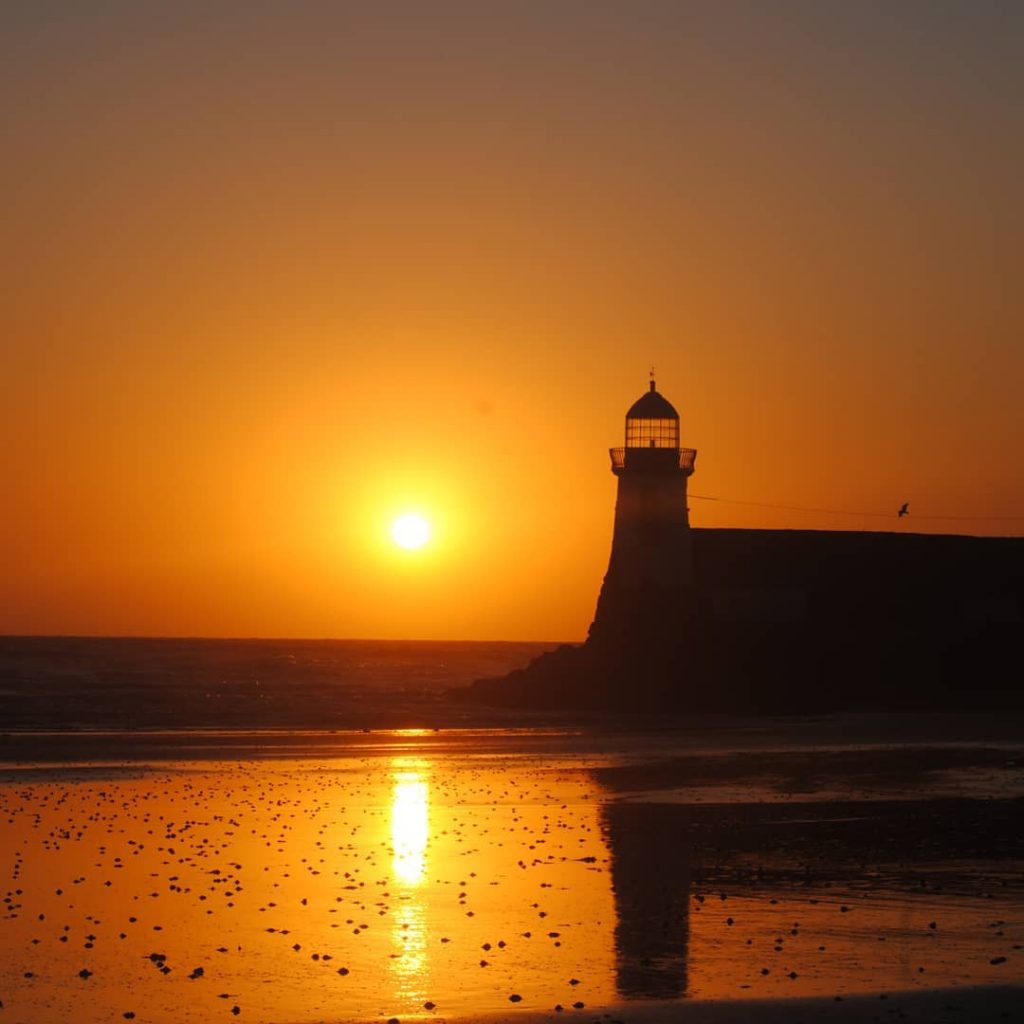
(754, 870)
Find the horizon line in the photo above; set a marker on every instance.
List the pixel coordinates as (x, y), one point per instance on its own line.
(282, 639)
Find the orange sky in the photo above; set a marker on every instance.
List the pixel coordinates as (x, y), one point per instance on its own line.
(274, 276)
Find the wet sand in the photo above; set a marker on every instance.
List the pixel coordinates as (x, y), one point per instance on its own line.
(738, 873)
(989, 1005)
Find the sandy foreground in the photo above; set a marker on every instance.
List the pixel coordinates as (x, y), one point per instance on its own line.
(410, 875)
(941, 1006)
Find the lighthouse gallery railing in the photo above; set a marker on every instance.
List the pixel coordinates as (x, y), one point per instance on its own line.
(687, 456)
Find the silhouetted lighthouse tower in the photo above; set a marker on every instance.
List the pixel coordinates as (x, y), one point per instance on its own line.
(650, 571)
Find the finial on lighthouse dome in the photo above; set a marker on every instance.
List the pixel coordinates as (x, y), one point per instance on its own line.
(652, 421)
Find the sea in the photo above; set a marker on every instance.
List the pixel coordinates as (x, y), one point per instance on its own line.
(174, 683)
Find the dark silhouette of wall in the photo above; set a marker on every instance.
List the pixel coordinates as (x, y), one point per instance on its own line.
(799, 621)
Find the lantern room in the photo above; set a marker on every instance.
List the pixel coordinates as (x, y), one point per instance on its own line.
(652, 438)
(652, 422)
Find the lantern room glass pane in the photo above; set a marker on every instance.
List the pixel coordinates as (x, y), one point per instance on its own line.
(643, 433)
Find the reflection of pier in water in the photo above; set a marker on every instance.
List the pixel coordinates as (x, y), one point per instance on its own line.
(651, 882)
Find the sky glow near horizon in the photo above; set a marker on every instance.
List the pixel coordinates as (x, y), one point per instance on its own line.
(275, 273)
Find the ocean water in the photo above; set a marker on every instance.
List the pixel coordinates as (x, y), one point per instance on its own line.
(122, 683)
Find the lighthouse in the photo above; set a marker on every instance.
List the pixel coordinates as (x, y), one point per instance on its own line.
(649, 580)
(755, 621)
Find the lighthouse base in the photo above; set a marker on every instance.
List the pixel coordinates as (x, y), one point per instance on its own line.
(796, 622)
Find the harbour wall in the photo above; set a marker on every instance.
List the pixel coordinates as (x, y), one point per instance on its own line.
(792, 621)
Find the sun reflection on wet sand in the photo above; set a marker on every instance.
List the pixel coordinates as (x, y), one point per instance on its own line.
(409, 959)
(410, 834)
(410, 822)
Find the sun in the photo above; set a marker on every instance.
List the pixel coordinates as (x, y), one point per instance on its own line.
(410, 531)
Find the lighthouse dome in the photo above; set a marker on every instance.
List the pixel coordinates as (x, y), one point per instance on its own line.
(652, 405)
(652, 422)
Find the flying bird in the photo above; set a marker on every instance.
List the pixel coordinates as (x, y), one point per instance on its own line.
(904, 510)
